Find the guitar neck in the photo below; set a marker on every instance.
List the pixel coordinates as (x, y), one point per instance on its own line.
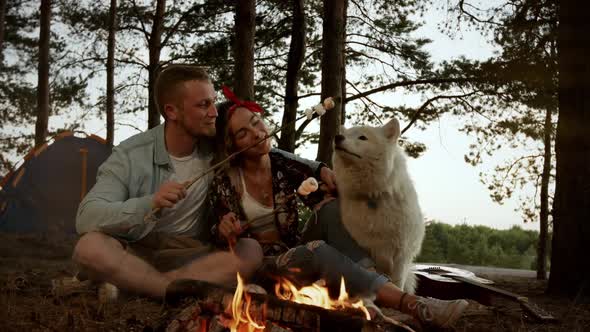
(529, 307)
(496, 290)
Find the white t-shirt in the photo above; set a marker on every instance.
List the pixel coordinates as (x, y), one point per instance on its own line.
(254, 209)
(184, 217)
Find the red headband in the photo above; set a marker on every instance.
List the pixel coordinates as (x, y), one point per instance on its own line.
(252, 106)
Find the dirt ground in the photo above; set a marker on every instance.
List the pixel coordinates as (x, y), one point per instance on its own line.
(29, 263)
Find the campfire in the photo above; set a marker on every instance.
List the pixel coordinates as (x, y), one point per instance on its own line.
(315, 295)
(241, 319)
(294, 309)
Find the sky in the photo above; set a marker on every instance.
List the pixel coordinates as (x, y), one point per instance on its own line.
(449, 189)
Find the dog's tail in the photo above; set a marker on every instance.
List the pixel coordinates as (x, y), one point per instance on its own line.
(410, 283)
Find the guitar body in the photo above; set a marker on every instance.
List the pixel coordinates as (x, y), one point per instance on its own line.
(450, 283)
(434, 285)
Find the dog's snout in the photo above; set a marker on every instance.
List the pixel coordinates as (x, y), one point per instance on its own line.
(338, 139)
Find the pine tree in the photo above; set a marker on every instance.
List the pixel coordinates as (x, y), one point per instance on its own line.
(110, 93)
(43, 73)
(525, 74)
(333, 62)
(295, 60)
(2, 23)
(570, 272)
(243, 50)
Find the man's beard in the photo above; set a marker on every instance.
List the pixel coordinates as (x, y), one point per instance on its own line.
(200, 131)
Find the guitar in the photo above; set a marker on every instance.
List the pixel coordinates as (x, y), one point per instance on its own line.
(431, 283)
(477, 288)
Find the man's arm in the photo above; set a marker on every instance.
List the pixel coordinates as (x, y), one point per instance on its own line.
(108, 208)
(321, 170)
(314, 165)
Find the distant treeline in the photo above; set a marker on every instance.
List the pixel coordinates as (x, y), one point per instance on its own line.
(479, 245)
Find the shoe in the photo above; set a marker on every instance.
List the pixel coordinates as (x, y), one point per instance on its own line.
(190, 288)
(438, 312)
(107, 293)
(66, 286)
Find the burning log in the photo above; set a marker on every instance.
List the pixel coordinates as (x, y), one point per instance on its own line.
(277, 314)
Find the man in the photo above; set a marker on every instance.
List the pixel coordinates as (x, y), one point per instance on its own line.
(118, 245)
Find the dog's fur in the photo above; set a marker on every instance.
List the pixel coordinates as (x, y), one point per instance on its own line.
(378, 202)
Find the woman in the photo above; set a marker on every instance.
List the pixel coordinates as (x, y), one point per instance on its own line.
(254, 197)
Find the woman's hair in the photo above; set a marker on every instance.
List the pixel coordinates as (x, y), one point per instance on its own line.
(224, 145)
(223, 140)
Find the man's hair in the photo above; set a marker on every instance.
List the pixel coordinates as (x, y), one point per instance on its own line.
(171, 78)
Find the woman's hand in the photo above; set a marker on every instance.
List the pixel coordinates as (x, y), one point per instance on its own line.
(229, 227)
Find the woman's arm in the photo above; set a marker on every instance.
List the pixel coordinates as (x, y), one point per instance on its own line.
(220, 199)
(294, 173)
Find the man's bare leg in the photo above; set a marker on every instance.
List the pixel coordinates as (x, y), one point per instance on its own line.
(107, 260)
(221, 267)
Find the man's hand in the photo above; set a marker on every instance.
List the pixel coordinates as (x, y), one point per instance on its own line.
(168, 194)
(329, 178)
(229, 227)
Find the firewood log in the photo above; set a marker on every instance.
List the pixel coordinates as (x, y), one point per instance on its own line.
(214, 300)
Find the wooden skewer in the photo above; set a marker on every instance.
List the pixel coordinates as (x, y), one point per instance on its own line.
(248, 223)
(281, 208)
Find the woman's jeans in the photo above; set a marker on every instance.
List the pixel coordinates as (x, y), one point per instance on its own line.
(330, 253)
(326, 225)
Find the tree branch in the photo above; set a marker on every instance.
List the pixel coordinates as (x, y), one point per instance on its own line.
(143, 28)
(372, 58)
(430, 101)
(309, 95)
(409, 83)
(368, 99)
(174, 28)
(461, 5)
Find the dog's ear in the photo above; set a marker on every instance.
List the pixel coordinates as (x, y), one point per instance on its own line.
(391, 129)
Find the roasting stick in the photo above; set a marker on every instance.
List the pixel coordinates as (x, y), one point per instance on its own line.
(327, 105)
(306, 187)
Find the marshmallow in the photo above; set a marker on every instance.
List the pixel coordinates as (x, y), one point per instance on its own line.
(309, 113)
(329, 103)
(308, 186)
(319, 109)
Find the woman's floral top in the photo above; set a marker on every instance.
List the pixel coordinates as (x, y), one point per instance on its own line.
(287, 175)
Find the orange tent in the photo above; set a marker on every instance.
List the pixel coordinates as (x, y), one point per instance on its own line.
(43, 192)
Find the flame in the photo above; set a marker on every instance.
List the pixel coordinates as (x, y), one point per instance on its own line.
(318, 295)
(241, 318)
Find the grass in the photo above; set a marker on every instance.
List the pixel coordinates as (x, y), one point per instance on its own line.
(34, 261)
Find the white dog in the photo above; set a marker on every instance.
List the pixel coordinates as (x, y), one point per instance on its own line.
(378, 201)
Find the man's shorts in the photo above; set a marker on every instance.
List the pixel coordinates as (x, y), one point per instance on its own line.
(167, 252)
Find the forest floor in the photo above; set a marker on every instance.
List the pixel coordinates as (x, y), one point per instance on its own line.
(28, 264)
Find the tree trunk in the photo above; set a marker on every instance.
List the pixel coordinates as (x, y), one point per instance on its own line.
(110, 106)
(244, 48)
(2, 24)
(294, 63)
(43, 80)
(155, 47)
(333, 33)
(343, 69)
(544, 213)
(570, 269)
